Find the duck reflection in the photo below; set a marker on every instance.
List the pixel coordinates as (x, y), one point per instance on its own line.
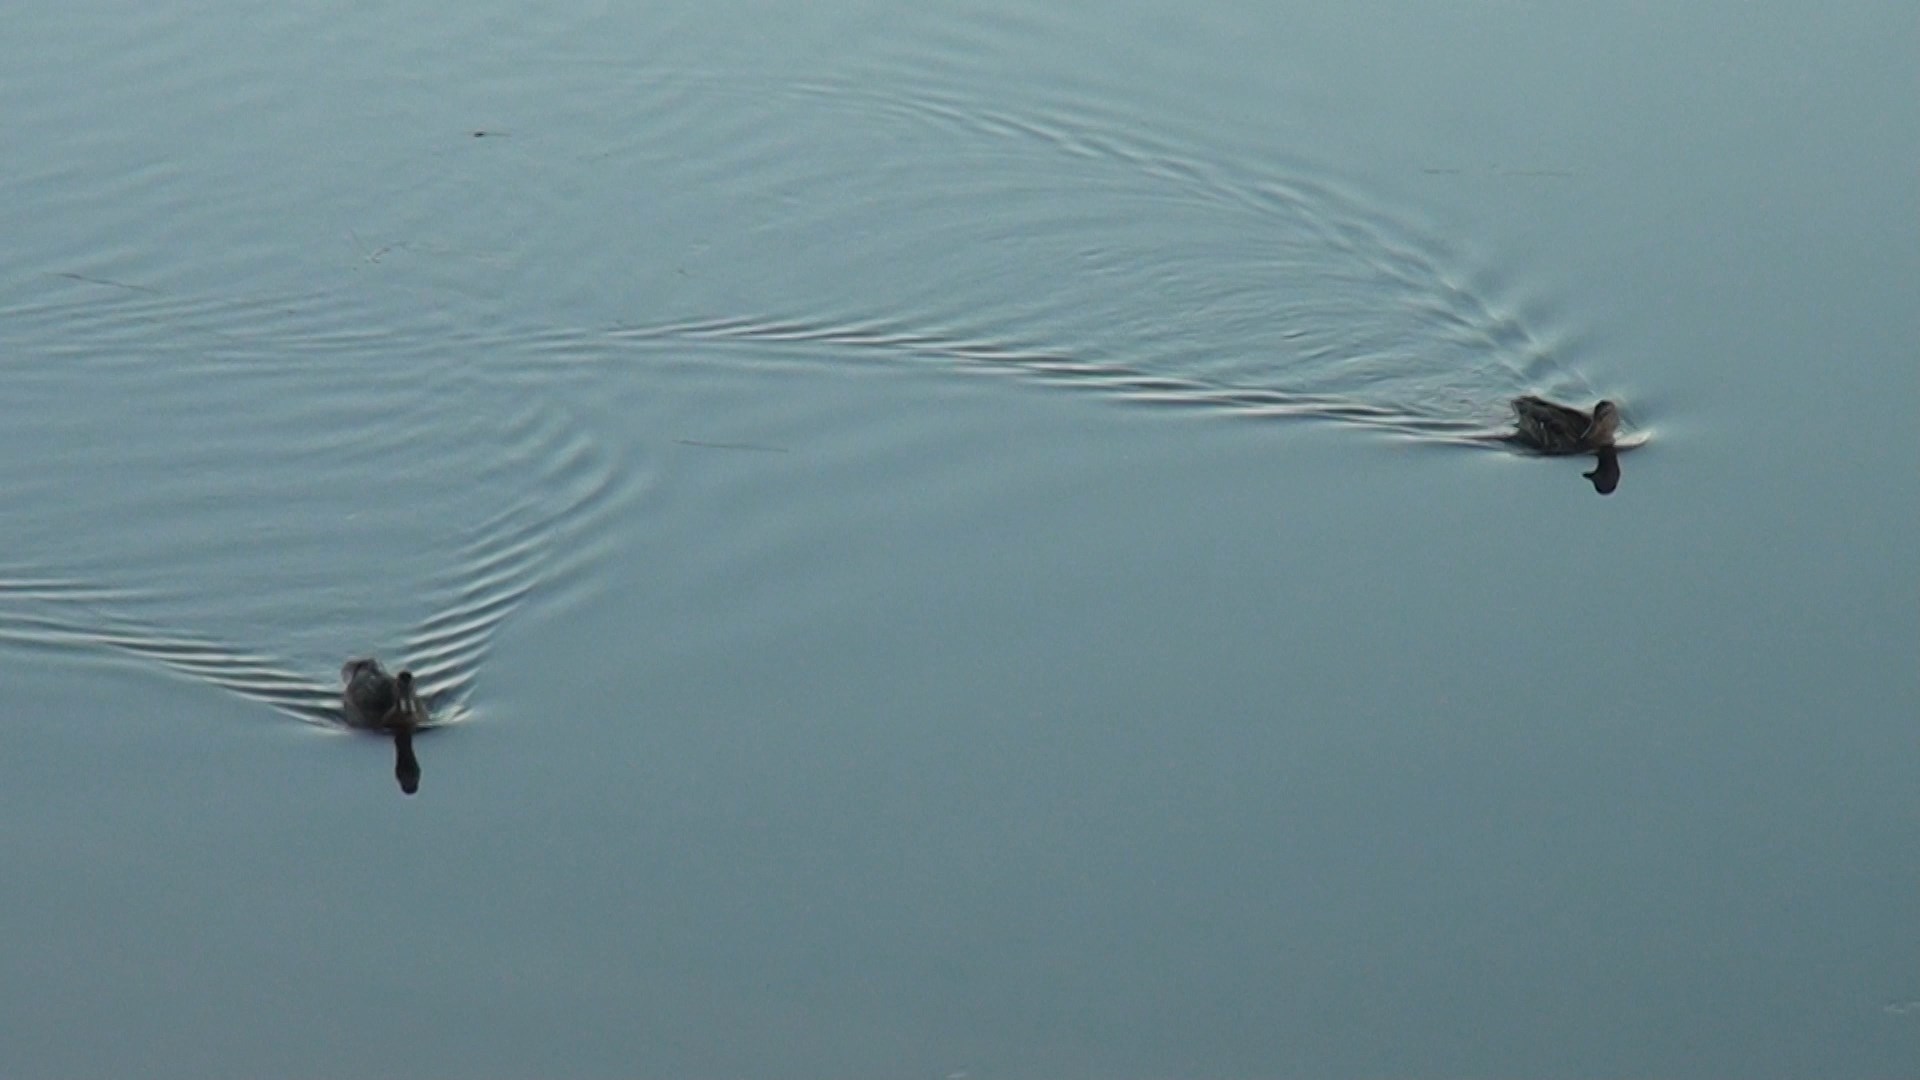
(376, 701)
(1606, 471)
(1547, 427)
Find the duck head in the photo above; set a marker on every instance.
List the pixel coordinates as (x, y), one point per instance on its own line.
(407, 708)
(1606, 424)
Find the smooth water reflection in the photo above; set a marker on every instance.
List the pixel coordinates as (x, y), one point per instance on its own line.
(831, 457)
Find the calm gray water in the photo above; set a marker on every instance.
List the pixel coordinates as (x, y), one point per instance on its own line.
(959, 540)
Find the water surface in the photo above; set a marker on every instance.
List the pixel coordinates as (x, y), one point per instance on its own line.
(961, 542)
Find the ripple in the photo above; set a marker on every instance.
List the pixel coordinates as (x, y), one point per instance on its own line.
(310, 488)
(1075, 242)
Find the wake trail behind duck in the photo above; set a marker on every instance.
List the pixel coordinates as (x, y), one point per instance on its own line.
(1071, 242)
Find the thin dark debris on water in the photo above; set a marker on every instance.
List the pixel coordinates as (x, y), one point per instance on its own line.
(109, 282)
(731, 446)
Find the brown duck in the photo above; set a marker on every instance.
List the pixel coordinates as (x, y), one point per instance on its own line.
(376, 701)
(1547, 427)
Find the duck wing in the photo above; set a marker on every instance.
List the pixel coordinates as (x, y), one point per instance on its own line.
(1550, 426)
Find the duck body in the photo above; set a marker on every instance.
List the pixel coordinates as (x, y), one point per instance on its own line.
(1547, 427)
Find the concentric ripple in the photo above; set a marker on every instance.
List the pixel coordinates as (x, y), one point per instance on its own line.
(290, 478)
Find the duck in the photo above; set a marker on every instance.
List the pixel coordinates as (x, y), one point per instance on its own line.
(1547, 427)
(376, 701)
(1551, 428)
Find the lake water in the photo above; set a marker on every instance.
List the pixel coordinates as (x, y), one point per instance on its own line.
(959, 540)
